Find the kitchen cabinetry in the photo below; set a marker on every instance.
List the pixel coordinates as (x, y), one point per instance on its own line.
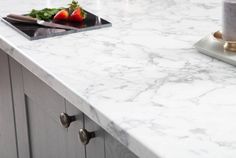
(40, 113)
(7, 124)
(47, 137)
(116, 150)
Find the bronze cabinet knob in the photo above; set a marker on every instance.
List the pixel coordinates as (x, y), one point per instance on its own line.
(66, 119)
(85, 136)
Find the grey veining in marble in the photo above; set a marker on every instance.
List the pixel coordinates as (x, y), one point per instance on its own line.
(141, 80)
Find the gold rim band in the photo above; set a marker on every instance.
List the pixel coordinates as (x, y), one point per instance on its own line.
(230, 46)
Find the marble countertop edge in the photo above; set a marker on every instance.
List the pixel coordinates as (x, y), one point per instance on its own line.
(76, 99)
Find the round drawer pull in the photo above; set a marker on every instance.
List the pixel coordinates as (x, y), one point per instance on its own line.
(66, 119)
(85, 136)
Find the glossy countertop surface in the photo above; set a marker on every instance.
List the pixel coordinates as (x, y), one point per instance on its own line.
(141, 79)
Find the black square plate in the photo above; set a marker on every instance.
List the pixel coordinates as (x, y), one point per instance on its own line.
(34, 32)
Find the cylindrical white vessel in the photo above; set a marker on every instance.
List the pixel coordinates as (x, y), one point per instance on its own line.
(229, 20)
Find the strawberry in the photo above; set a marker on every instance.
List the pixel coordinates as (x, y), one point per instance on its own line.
(78, 15)
(62, 15)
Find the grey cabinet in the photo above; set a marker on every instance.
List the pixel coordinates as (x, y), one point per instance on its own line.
(104, 145)
(114, 149)
(74, 147)
(32, 110)
(7, 125)
(46, 136)
(20, 110)
(96, 146)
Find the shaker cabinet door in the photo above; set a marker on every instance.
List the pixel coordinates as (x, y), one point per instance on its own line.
(40, 131)
(7, 126)
(47, 136)
(20, 110)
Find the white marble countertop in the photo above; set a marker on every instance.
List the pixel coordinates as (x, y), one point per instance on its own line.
(141, 80)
